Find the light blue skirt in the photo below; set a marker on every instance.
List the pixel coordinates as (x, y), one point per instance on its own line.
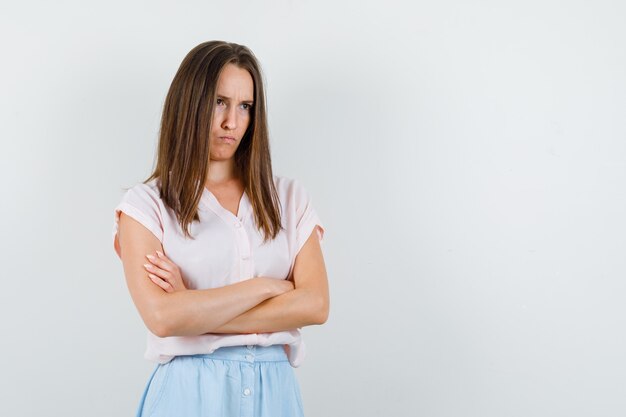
(233, 381)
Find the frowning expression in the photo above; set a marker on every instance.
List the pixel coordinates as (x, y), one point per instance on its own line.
(232, 111)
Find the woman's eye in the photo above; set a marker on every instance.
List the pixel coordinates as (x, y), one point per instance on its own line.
(220, 101)
(246, 106)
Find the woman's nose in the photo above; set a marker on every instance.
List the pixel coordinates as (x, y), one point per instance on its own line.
(230, 119)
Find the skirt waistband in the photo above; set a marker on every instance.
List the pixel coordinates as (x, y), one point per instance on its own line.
(247, 353)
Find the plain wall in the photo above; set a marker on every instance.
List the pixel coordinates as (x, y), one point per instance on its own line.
(468, 159)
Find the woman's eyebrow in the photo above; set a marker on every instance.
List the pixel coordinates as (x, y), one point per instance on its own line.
(228, 98)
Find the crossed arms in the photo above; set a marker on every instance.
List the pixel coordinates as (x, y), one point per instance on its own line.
(256, 305)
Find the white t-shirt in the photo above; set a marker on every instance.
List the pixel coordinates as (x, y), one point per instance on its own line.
(227, 249)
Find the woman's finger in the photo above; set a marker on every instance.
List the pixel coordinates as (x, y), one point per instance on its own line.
(166, 270)
(160, 273)
(161, 262)
(163, 284)
(155, 270)
(168, 261)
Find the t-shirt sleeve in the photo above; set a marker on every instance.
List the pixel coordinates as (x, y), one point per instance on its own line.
(307, 218)
(140, 202)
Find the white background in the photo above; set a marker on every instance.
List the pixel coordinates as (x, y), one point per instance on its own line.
(467, 158)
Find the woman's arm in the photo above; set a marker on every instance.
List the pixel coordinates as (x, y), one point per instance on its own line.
(189, 312)
(307, 304)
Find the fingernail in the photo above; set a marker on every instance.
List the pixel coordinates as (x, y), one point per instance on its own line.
(148, 266)
(151, 257)
(159, 253)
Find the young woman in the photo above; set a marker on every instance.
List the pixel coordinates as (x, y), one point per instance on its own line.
(222, 258)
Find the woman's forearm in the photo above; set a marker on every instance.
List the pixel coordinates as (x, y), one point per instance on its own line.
(305, 305)
(195, 312)
(297, 308)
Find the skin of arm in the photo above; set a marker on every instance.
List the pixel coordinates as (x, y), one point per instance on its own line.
(306, 305)
(189, 312)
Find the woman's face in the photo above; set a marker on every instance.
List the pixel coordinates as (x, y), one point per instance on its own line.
(232, 111)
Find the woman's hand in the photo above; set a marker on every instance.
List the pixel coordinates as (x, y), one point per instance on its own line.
(164, 273)
(276, 286)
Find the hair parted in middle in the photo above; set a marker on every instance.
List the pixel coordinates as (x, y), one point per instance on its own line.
(184, 146)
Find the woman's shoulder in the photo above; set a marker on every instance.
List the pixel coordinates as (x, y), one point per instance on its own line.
(144, 197)
(143, 203)
(144, 191)
(300, 211)
(287, 185)
(151, 186)
(293, 193)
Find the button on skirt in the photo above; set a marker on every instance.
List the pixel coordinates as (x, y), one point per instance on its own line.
(233, 381)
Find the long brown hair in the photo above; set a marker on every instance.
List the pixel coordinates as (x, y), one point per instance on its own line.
(183, 149)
